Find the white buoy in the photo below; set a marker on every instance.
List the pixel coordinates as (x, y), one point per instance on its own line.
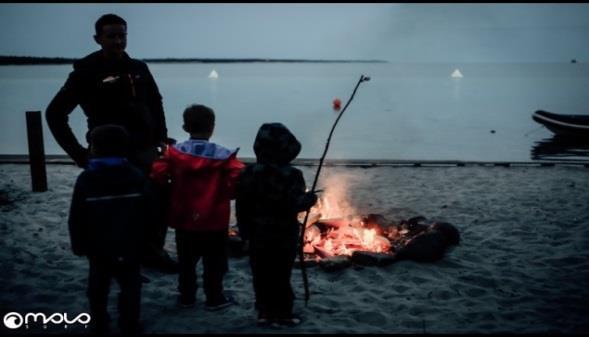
(456, 74)
(213, 74)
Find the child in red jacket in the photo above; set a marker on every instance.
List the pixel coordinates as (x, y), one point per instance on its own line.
(202, 177)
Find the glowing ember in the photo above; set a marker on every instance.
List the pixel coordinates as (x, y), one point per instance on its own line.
(333, 228)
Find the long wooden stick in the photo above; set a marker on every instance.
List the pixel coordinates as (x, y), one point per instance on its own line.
(302, 238)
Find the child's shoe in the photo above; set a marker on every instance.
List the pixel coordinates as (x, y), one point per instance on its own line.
(286, 322)
(223, 303)
(263, 319)
(186, 301)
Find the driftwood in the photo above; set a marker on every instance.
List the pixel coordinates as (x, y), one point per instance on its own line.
(430, 244)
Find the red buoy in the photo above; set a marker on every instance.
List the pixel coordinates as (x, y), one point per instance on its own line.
(337, 104)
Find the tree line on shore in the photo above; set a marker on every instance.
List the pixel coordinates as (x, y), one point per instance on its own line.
(28, 60)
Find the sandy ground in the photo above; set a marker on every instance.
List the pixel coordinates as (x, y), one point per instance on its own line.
(522, 265)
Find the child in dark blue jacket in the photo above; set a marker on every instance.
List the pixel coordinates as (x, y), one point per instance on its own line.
(109, 210)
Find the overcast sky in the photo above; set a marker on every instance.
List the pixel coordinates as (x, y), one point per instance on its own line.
(393, 32)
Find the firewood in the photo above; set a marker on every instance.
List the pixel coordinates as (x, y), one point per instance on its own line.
(448, 230)
(310, 261)
(372, 259)
(322, 252)
(376, 222)
(335, 222)
(428, 246)
(313, 218)
(335, 263)
(312, 234)
(309, 249)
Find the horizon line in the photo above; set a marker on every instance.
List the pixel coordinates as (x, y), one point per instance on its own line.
(16, 60)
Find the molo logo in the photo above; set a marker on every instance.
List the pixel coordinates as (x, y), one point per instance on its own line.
(14, 320)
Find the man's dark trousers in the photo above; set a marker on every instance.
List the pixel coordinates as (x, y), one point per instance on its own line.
(154, 254)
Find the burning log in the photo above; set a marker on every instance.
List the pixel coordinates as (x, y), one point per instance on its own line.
(392, 232)
(309, 249)
(323, 253)
(381, 244)
(415, 225)
(372, 259)
(310, 261)
(312, 234)
(335, 222)
(313, 218)
(376, 222)
(335, 263)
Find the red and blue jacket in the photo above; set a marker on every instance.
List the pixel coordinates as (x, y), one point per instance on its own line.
(202, 177)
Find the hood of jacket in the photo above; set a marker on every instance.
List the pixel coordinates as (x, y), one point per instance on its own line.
(102, 162)
(201, 153)
(275, 144)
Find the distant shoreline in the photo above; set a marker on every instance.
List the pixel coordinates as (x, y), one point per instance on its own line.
(29, 60)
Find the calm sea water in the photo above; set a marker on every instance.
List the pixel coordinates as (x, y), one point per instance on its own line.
(406, 111)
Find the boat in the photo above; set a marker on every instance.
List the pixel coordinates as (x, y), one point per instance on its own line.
(563, 125)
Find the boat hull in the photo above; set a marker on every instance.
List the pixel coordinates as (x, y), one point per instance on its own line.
(563, 125)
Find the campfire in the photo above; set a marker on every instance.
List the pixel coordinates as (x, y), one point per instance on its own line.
(334, 228)
(327, 236)
(336, 234)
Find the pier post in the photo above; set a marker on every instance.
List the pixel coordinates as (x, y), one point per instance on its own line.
(36, 151)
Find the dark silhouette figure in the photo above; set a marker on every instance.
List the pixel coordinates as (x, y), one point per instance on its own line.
(112, 88)
(109, 210)
(270, 195)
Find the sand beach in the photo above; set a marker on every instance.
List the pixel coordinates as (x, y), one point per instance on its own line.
(522, 265)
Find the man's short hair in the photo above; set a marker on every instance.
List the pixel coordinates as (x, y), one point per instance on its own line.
(109, 141)
(108, 19)
(199, 119)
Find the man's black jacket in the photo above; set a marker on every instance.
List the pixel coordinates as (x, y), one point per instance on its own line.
(121, 92)
(110, 210)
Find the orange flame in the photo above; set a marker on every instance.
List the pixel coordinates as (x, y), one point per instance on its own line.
(349, 233)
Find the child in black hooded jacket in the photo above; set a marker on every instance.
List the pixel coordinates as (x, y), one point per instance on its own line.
(110, 207)
(270, 194)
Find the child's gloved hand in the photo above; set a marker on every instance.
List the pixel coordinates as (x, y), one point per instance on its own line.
(307, 200)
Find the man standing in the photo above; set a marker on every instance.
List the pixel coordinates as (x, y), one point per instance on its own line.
(112, 88)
